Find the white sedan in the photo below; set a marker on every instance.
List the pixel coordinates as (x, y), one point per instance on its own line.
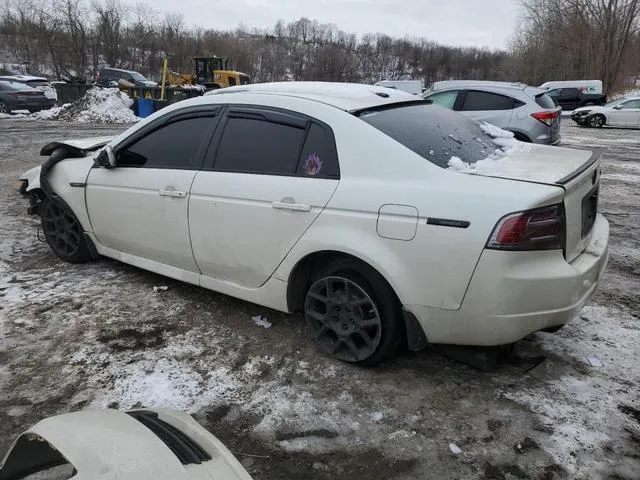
(336, 200)
(624, 112)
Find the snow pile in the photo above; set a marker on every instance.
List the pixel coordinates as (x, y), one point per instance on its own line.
(99, 105)
(497, 162)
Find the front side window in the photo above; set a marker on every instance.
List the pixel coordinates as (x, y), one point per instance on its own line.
(444, 99)
(631, 104)
(476, 100)
(252, 145)
(175, 145)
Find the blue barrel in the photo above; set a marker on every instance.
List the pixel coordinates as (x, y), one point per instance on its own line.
(145, 107)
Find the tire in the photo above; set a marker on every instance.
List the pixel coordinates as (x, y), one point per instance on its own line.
(521, 137)
(353, 314)
(63, 232)
(4, 108)
(596, 121)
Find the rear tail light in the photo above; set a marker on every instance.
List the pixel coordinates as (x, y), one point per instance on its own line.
(537, 229)
(546, 117)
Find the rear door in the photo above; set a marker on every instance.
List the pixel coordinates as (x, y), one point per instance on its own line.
(266, 181)
(140, 206)
(488, 107)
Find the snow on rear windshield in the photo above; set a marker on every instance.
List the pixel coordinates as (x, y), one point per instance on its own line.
(433, 132)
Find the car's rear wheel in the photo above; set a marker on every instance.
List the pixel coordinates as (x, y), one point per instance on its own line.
(4, 108)
(353, 314)
(63, 232)
(596, 121)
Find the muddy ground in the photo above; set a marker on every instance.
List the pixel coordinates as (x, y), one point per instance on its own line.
(97, 335)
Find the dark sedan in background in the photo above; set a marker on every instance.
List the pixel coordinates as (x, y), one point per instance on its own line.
(18, 96)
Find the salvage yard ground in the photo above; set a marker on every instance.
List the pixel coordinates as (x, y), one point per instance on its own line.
(566, 405)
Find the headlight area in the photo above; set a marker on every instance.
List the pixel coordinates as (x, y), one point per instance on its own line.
(21, 186)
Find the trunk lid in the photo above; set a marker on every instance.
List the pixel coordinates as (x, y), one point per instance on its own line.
(576, 171)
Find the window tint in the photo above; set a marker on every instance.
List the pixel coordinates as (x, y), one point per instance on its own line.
(257, 146)
(319, 157)
(174, 145)
(631, 104)
(545, 101)
(444, 99)
(433, 132)
(475, 100)
(569, 92)
(37, 83)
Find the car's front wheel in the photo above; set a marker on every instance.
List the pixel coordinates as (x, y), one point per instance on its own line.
(353, 314)
(596, 121)
(63, 232)
(4, 108)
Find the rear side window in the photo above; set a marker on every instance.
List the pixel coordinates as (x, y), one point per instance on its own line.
(257, 146)
(631, 104)
(476, 100)
(319, 158)
(545, 101)
(433, 132)
(175, 145)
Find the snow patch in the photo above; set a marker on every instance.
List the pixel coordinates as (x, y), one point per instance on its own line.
(99, 105)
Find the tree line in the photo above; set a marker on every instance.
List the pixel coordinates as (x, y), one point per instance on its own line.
(558, 39)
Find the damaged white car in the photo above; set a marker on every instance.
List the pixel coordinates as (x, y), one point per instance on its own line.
(338, 201)
(150, 444)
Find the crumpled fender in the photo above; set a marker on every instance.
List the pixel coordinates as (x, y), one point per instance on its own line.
(77, 147)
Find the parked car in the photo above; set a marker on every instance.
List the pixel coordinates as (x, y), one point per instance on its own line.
(109, 77)
(18, 96)
(336, 200)
(572, 98)
(624, 112)
(526, 111)
(144, 444)
(585, 86)
(39, 83)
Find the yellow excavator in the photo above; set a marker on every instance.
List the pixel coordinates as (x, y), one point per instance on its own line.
(211, 72)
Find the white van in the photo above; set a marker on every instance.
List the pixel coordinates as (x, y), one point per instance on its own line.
(410, 86)
(585, 86)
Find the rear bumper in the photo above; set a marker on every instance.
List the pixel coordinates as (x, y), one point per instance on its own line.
(31, 105)
(513, 294)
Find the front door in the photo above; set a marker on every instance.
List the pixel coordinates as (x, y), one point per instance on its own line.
(140, 206)
(271, 176)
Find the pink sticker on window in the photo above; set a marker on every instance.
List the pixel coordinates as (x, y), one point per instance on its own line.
(312, 164)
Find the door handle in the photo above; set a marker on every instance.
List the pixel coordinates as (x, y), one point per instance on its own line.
(172, 193)
(296, 207)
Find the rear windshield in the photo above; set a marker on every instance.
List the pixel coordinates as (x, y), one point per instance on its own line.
(138, 77)
(545, 101)
(433, 132)
(6, 85)
(37, 83)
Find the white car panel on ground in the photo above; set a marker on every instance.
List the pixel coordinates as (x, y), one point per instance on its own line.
(396, 225)
(149, 444)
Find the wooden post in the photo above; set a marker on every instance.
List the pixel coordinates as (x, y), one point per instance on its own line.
(164, 78)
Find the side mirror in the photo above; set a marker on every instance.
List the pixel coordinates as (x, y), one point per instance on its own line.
(618, 107)
(106, 158)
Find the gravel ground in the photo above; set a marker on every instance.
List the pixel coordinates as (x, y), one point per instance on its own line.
(97, 335)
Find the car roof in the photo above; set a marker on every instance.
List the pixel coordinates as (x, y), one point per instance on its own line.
(22, 78)
(122, 70)
(345, 96)
(444, 84)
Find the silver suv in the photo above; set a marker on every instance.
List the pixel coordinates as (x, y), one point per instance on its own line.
(526, 111)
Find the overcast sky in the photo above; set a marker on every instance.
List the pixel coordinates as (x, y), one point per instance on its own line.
(482, 23)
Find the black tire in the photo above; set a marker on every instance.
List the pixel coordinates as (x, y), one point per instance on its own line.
(596, 121)
(346, 330)
(521, 137)
(63, 232)
(4, 108)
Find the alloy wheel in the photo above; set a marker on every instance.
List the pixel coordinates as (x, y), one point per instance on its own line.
(3, 108)
(596, 121)
(61, 229)
(343, 319)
